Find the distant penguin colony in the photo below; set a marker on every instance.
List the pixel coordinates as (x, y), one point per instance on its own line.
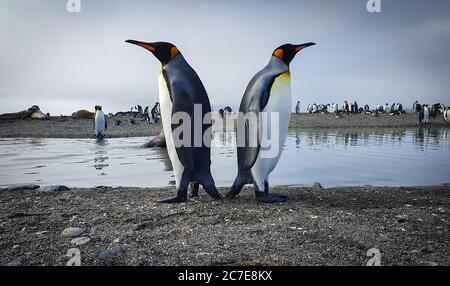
(268, 91)
(100, 122)
(179, 89)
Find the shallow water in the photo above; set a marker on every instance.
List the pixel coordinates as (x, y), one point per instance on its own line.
(379, 157)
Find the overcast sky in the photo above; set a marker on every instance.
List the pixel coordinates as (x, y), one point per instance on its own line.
(69, 61)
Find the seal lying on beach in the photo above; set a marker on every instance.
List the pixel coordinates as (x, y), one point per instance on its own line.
(83, 114)
(33, 112)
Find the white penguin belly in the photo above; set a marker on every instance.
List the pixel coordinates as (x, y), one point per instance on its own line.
(426, 115)
(99, 123)
(166, 118)
(280, 101)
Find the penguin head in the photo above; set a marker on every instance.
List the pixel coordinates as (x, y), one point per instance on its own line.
(287, 52)
(98, 108)
(163, 51)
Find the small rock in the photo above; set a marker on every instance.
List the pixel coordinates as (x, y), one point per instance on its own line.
(14, 263)
(80, 241)
(108, 255)
(22, 187)
(317, 185)
(72, 232)
(41, 232)
(428, 263)
(53, 189)
(15, 246)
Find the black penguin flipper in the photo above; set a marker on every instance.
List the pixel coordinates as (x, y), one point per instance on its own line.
(183, 103)
(254, 101)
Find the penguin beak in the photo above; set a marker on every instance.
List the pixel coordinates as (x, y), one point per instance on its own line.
(302, 46)
(147, 46)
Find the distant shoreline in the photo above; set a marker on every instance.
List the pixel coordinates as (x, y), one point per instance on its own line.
(66, 127)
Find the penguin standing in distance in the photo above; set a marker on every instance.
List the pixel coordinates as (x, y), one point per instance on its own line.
(180, 88)
(426, 114)
(414, 107)
(447, 115)
(100, 123)
(269, 91)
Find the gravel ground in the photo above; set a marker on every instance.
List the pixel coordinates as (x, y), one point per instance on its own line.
(410, 226)
(65, 127)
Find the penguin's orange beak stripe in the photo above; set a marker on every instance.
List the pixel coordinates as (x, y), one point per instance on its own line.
(301, 47)
(142, 45)
(147, 47)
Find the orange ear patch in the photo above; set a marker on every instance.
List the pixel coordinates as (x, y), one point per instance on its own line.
(174, 52)
(279, 54)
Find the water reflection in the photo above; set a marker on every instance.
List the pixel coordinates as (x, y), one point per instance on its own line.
(358, 156)
(101, 155)
(424, 138)
(163, 156)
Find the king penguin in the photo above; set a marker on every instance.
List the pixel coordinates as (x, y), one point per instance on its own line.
(100, 123)
(180, 89)
(269, 92)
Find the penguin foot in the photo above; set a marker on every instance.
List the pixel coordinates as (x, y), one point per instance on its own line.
(213, 193)
(269, 198)
(194, 187)
(231, 194)
(175, 200)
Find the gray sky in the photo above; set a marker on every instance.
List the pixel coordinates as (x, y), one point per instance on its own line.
(65, 62)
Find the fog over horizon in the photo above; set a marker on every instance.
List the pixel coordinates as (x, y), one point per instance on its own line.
(64, 61)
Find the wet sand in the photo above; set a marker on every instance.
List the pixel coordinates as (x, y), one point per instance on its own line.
(66, 127)
(410, 226)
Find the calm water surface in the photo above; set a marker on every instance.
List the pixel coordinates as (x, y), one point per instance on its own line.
(379, 157)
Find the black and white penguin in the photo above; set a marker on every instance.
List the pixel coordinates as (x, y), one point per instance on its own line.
(414, 107)
(182, 92)
(268, 93)
(297, 107)
(100, 122)
(346, 107)
(426, 113)
(447, 115)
